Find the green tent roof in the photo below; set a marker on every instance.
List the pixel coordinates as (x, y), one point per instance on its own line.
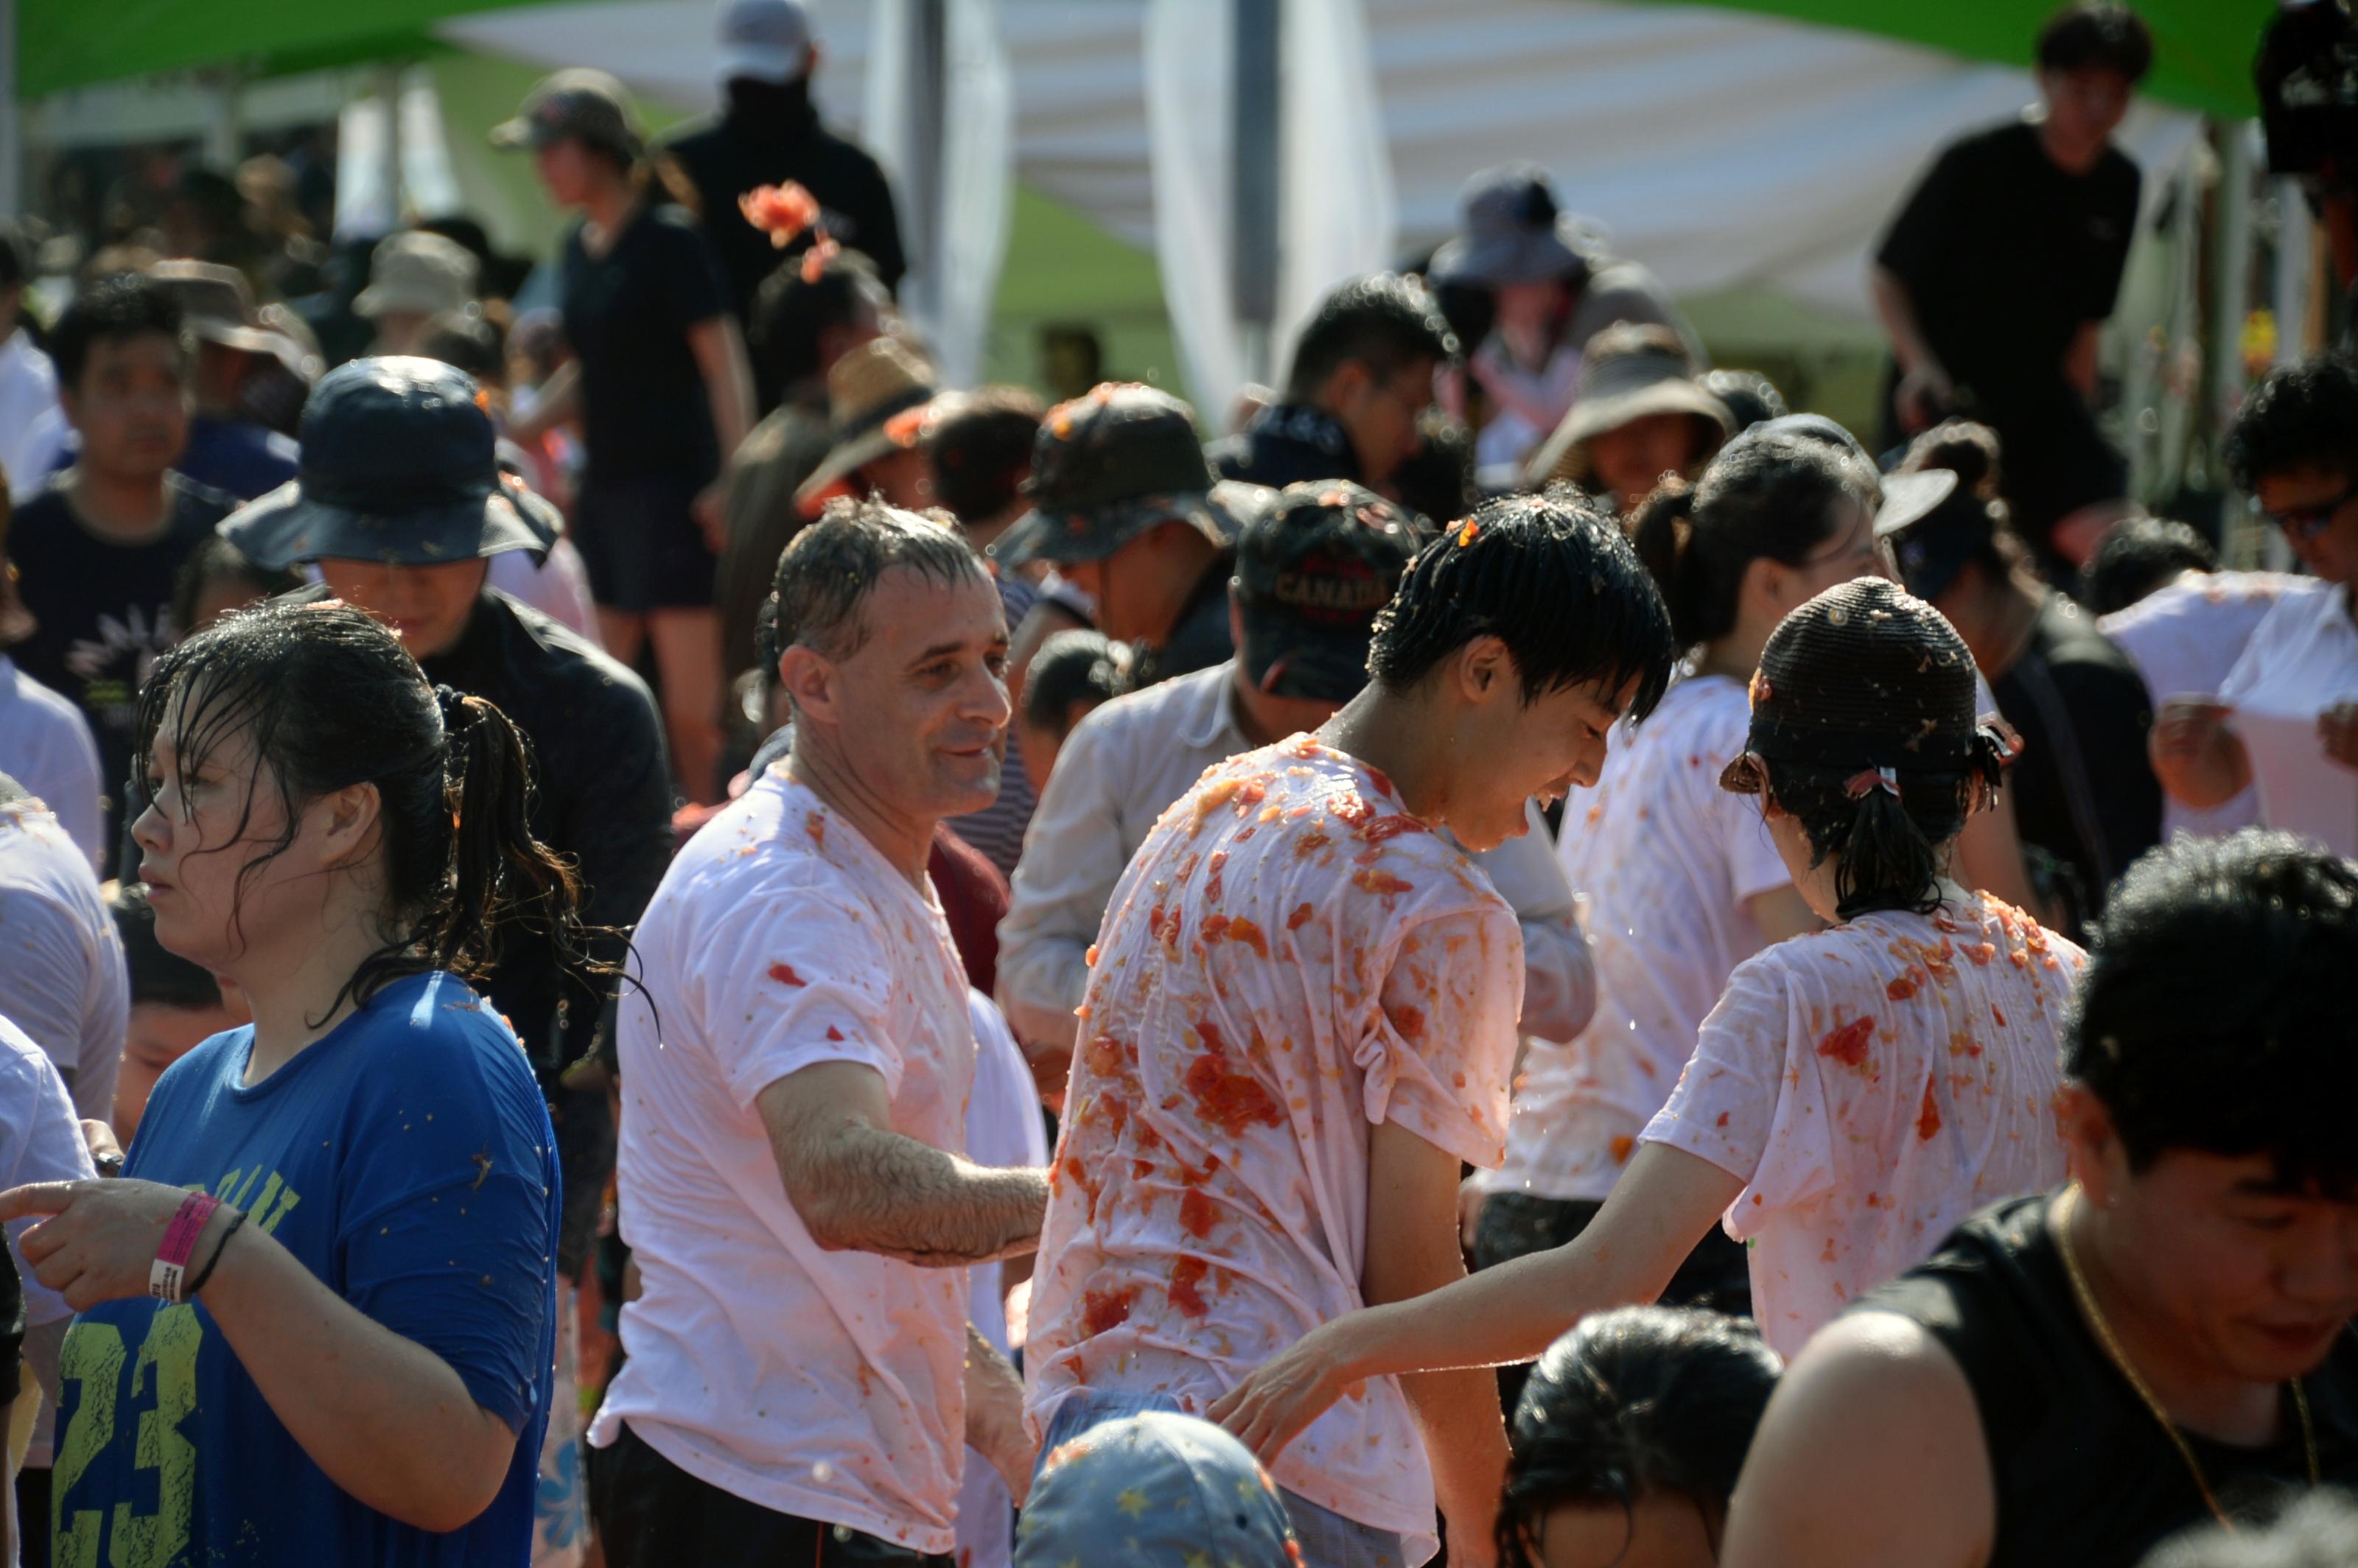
(2203, 60)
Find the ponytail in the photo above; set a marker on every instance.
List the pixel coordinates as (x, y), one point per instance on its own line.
(500, 875)
(1890, 828)
(1662, 530)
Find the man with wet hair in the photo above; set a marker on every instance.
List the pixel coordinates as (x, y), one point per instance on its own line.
(803, 1379)
(1301, 1019)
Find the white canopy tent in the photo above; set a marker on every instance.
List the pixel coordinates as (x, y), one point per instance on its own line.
(1727, 150)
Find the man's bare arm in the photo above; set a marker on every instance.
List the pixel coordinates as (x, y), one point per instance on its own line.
(1871, 1455)
(1412, 1249)
(860, 1186)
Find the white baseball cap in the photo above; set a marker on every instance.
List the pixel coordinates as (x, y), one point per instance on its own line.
(764, 40)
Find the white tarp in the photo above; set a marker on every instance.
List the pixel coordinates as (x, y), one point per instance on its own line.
(955, 252)
(1725, 149)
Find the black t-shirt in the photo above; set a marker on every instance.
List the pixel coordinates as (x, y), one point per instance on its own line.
(2084, 1473)
(2083, 788)
(104, 611)
(1285, 444)
(1200, 638)
(644, 411)
(729, 156)
(12, 1323)
(2006, 255)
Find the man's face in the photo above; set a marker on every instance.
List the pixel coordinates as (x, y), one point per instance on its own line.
(1541, 750)
(2255, 1281)
(2318, 511)
(1630, 460)
(1379, 414)
(1125, 612)
(426, 607)
(2084, 107)
(918, 711)
(131, 406)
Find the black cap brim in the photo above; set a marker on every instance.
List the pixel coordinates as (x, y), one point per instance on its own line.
(1069, 538)
(286, 528)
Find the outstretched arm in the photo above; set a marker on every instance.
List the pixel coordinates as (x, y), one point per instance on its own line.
(1412, 1252)
(860, 1186)
(1664, 1203)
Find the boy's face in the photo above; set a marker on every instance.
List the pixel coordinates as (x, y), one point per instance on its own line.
(131, 406)
(158, 1036)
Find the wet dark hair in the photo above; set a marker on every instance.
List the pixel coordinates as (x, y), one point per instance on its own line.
(981, 450)
(1070, 667)
(2107, 37)
(2300, 414)
(1384, 321)
(789, 314)
(1436, 482)
(831, 567)
(1633, 1403)
(1773, 495)
(120, 305)
(1553, 578)
(217, 560)
(2136, 555)
(2215, 1014)
(329, 700)
(1861, 679)
(157, 977)
(2315, 1529)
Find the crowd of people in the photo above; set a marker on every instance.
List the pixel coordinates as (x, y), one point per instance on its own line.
(1523, 954)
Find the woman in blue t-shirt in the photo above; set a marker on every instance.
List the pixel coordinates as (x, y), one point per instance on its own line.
(317, 1312)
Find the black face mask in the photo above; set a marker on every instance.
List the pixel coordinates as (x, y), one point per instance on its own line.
(770, 102)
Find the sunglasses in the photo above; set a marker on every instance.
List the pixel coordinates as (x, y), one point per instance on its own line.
(2309, 521)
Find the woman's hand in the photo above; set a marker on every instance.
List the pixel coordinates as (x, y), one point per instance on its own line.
(102, 1237)
(1286, 1393)
(711, 515)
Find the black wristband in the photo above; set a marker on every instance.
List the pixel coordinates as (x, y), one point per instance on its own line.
(189, 1291)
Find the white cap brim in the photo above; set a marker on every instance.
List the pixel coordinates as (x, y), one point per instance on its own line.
(759, 62)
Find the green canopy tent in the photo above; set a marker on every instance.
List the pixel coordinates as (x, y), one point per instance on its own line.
(2202, 60)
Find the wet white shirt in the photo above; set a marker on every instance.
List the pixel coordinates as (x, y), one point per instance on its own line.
(1872, 1086)
(1291, 959)
(826, 1385)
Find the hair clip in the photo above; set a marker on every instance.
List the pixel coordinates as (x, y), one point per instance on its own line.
(1865, 779)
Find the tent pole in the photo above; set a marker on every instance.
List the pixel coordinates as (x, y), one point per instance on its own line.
(1258, 80)
(387, 86)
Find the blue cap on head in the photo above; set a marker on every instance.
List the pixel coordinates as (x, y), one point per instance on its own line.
(1157, 1490)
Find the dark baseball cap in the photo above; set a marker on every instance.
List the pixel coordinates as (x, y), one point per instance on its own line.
(1107, 467)
(1311, 574)
(399, 465)
(584, 104)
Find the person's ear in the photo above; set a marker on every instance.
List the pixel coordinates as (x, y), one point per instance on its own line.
(811, 682)
(346, 822)
(1485, 670)
(1764, 589)
(1345, 388)
(2092, 1144)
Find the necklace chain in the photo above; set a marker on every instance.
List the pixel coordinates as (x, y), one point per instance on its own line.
(2065, 1206)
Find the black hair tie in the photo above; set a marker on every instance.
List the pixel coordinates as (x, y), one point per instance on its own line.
(458, 713)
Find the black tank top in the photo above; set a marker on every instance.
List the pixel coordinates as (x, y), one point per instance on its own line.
(2083, 1474)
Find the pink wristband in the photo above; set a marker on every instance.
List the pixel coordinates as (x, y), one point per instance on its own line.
(166, 1275)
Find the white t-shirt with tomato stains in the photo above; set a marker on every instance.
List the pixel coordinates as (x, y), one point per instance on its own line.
(1873, 1086)
(827, 1384)
(1290, 959)
(1667, 859)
